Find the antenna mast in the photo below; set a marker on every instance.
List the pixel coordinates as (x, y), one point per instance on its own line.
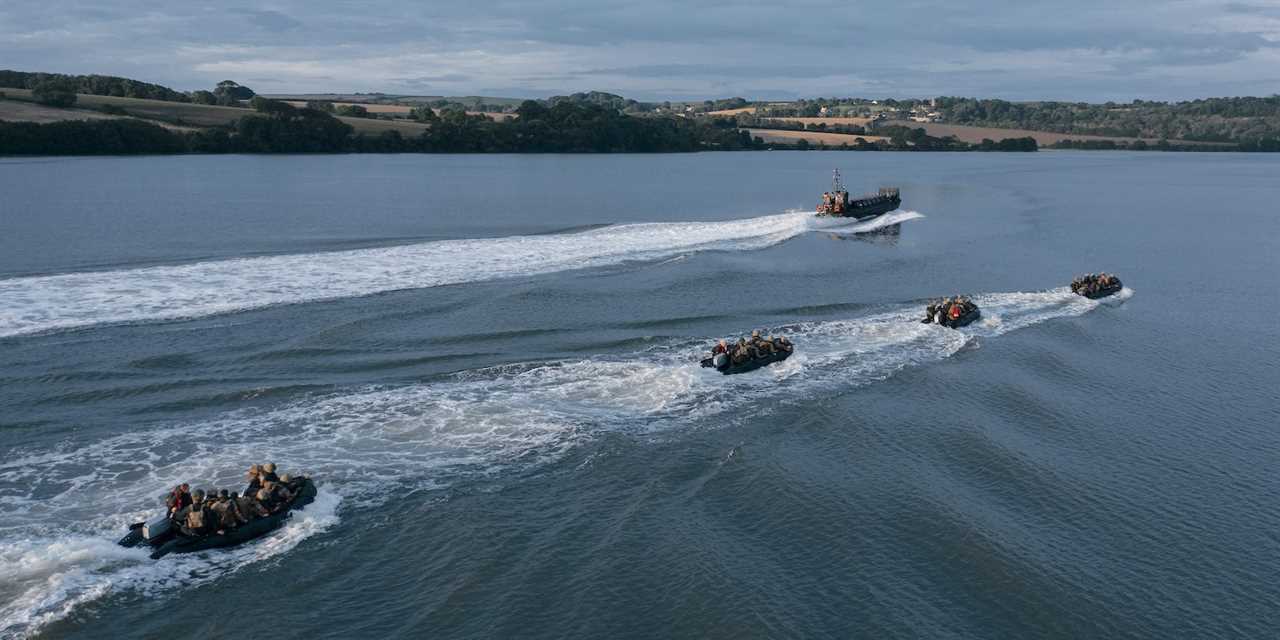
(835, 181)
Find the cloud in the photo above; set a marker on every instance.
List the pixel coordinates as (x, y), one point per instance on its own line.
(659, 49)
(444, 77)
(720, 70)
(272, 21)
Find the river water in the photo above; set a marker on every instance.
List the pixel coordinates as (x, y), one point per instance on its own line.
(487, 362)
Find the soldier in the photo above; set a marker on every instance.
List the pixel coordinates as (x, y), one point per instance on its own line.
(250, 508)
(766, 346)
(178, 499)
(253, 477)
(195, 519)
(223, 509)
(721, 347)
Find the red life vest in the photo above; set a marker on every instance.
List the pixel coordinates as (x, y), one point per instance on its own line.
(179, 499)
(955, 311)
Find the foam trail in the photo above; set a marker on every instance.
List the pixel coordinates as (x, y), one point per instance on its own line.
(47, 303)
(62, 507)
(45, 580)
(851, 226)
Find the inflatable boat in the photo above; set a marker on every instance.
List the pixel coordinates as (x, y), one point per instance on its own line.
(722, 363)
(1101, 292)
(165, 538)
(965, 318)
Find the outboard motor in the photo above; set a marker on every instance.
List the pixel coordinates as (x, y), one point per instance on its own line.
(720, 361)
(155, 526)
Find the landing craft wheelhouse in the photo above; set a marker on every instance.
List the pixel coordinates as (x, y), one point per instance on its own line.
(836, 203)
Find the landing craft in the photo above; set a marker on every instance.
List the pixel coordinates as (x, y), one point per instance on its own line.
(836, 203)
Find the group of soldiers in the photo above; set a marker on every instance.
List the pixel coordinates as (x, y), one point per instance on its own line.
(1091, 283)
(199, 514)
(756, 347)
(833, 202)
(947, 310)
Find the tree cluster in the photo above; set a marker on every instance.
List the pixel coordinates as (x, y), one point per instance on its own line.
(578, 127)
(1265, 145)
(353, 111)
(88, 137)
(55, 93)
(93, 85)
(908, 139)
(279, 127)
(1241, 120)
(1008, 144)
(597, 98)
(229, 93)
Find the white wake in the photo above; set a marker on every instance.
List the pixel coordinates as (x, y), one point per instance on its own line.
(62, 508)
(47, 303)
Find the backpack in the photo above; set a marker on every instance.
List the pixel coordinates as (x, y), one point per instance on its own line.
(195, 518)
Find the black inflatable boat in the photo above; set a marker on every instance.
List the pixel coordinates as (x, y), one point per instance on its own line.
(965, 318)
(165, 538)
(727, 367)
(1101, 292)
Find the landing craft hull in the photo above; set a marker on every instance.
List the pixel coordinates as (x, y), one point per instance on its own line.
(862, 209)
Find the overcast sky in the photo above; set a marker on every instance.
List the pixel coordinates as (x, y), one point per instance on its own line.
(662, 49)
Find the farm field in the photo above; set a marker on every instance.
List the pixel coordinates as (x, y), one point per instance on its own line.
(814, 137)
(732, 112)
(21, 111)
(1043, 138)
(403, 110)
(861, 122)
(201, 115)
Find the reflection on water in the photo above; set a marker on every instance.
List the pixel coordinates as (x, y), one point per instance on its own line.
(885, 236)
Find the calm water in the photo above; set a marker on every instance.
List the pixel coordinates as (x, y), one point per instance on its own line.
(487, 363)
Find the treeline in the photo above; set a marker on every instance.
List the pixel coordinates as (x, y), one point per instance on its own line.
(92, 84)
(598, 98)
(576, 127)
(89, 137)
(278, 127)
(1026, 143)
(902, 138)
(1250, 121)
(1270, 145)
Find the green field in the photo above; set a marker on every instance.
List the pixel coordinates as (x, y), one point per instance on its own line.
(186, 114)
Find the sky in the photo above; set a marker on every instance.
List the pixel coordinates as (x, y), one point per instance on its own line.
(654, 50)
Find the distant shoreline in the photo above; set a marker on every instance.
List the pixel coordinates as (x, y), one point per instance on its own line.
(85, 124)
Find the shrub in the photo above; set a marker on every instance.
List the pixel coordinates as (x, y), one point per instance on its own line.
(54, 93)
